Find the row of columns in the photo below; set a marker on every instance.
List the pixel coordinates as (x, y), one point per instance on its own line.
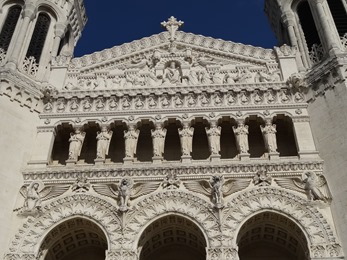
(46, 135)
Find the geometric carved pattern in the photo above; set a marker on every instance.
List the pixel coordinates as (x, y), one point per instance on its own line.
(32, 233)
(313, 223)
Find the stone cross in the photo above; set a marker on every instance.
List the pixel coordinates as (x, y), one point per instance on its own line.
(172, 25)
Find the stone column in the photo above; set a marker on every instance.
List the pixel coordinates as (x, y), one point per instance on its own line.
(186, 139)
(75, 147)
(42, 151)
(241, 136)
(213, 135)
(28, 14)
(269, 134)
(158, 141)
(103, 140)
(59, 33)
(304, 139)
(131, 137)
(323, 26)
(222, 253)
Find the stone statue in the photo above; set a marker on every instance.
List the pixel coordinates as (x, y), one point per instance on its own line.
(186, 138)
(241, 133)
(172, 74)
(269, 135)
(213, 135)
(158, 136)
(216, 183)
(76, 141)
(33, 199)
(124, 189)
(131, 137)
(244, 76)
(103, 142)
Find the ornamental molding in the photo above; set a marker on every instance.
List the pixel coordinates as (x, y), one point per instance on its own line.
(109, 56)
(312, 222)
(161, 204)
(207, 98)
(229, 168)
(30, 236)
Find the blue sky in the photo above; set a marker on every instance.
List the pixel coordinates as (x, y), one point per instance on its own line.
(115, 22)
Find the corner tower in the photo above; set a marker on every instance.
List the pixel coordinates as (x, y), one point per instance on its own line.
(34, 34)
(318, 30)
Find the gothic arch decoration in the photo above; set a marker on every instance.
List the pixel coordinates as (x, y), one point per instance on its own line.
(172, 202)
(9, 26)
(320, 236)
(29, 237)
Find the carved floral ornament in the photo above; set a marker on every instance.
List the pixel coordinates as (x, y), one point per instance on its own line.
(320, 236)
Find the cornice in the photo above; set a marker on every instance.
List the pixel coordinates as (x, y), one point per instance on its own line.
(108, 55)
(188, 171)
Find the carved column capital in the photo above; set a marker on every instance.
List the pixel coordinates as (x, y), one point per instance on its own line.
(29, 11)
(60, 29)
(222, 253)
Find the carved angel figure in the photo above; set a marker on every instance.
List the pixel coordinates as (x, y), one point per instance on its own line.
(158, 136)
(244, 76)
(36, 193)
(103, 142)
(76, 141)
(213, 135)
(217, 187)
(172, 74)
(186, 138)
(241, 133)
(131, 136)
(315, 187)
(269, 134)
(125, 190)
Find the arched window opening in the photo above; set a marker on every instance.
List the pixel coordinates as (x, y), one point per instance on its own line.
(9, 26)
(144, 150)
(307, 24)
(172, 148)
(39, 37)
(227, 138)
(271, 236)
(255, 137)
(116, 152)
(75, 239)
(339, 14)
(286, 144)
(60, 152)
(170, 238)
(201, 150)
(88, 152)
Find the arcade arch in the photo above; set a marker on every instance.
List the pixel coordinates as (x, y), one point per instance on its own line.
(77, 239)
(172, 237)
(269, 235)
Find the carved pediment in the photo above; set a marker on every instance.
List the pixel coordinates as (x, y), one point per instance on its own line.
(173, 58)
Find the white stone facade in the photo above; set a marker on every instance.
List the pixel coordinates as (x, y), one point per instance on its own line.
(172, 146)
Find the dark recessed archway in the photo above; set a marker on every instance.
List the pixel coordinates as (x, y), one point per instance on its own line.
(271, 236)
(75, 239)
(170, 238)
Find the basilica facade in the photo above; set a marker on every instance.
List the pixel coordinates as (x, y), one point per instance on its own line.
(174, 146)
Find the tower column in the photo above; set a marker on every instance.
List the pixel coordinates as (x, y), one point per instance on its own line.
(60, 30)
(28, 14)
(325, 29)
(42, 151)
(304, 139)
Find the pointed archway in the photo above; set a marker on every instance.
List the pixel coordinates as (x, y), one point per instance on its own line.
(271, 236)
(74, 239)
(172, 237)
